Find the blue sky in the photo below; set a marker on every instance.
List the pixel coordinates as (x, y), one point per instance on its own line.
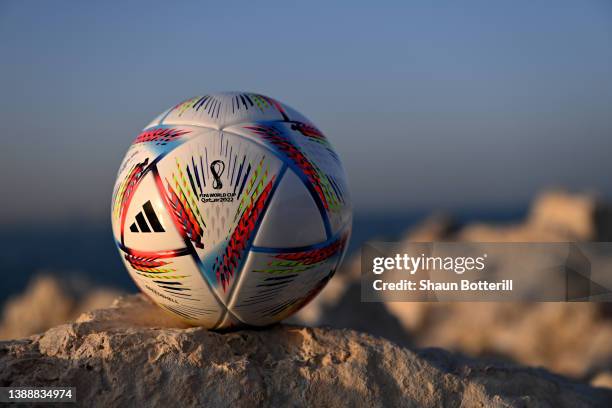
(431, 105)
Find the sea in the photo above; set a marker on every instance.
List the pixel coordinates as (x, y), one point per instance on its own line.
(84, 254)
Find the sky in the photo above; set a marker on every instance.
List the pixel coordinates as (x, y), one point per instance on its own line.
(431, 105)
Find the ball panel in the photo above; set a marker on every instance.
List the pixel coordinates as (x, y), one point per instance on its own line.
(275, 285)
(133, 168)
(148, 148)
(330, 174)
(307, 153)
(293, 116)
(148, 225)
(291, 202)
(220, 110)
(175, 283)
(218, 186)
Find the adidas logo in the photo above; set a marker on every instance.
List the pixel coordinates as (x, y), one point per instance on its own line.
(142, 223)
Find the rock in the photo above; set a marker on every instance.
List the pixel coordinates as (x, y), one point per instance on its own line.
(434, 228)
(555, 216)
(350, 313)
(569, 214)
(133, 354)
(603, 379)
(46, 303)
(41, 306)
(569, 338)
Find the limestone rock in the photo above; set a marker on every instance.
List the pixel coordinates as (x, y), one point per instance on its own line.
(133, 354)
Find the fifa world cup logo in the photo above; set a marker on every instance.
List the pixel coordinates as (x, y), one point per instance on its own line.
(216, 168)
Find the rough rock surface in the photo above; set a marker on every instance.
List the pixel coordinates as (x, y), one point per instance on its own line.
(133, 354)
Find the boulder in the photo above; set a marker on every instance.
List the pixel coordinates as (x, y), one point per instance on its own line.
(134, 354)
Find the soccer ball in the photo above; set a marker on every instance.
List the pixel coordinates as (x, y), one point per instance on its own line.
(231, 209)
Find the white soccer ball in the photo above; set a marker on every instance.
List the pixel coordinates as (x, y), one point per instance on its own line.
(231, 209)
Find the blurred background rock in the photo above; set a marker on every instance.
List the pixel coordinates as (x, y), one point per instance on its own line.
(49, 301)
